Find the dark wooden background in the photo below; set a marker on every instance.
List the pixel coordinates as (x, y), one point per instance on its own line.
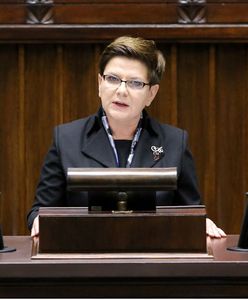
(49, 53)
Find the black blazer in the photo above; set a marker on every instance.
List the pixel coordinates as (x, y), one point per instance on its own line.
(84, 143)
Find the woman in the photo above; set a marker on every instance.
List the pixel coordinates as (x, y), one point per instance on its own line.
(121, 134)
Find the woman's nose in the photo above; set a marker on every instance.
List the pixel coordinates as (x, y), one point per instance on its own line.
(122, 88)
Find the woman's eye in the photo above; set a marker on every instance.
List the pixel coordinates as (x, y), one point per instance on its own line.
(113, 79)
(136, 83)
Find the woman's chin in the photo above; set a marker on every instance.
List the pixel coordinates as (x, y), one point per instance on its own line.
(119, 114)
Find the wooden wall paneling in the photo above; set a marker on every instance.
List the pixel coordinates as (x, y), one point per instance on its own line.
(116, 13)
(196, 115)
(88, 12)
(11, 140)
(71, 33)
(99, 20)
(60, 84)
(231, 148)
(12, 13)
(22, 203)
(80, 85)
(123, 12)
(245, 131)
(232, 12)
(173, 84)
(42, 109)
(209, 183)
(164, 106)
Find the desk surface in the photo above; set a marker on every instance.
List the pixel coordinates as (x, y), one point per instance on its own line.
(225, 275)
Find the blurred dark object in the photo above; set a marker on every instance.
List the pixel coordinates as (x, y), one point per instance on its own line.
(2, 247)
(243, 238)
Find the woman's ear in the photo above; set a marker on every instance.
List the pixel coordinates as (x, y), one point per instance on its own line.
(152, 94)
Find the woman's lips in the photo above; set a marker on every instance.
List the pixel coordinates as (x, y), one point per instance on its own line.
(120, 104)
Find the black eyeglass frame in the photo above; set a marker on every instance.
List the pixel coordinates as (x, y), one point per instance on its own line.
(127, 81)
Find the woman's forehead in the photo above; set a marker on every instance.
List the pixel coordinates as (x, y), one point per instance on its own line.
(126, 66)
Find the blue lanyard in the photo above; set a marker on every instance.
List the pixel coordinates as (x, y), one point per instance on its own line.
(112, 143)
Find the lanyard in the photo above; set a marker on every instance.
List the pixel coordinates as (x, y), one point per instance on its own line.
(112, 143)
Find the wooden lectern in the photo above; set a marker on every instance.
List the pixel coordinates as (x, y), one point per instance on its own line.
(68, 232)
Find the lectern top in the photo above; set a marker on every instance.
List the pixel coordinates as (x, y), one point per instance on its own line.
(159, 179)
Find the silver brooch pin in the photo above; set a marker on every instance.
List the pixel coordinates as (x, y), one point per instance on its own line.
(157, 151)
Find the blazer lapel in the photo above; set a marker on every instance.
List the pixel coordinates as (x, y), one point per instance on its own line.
(144, 157)
(98, 148)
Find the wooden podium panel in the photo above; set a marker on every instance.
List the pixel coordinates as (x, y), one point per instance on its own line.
(169, 229)
(223, 276)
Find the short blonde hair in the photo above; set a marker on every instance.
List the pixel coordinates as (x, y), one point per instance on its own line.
(136, 48)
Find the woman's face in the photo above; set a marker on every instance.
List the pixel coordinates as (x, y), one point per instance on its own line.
(121, 101)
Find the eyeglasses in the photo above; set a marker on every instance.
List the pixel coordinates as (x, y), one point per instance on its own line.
(116, 82)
